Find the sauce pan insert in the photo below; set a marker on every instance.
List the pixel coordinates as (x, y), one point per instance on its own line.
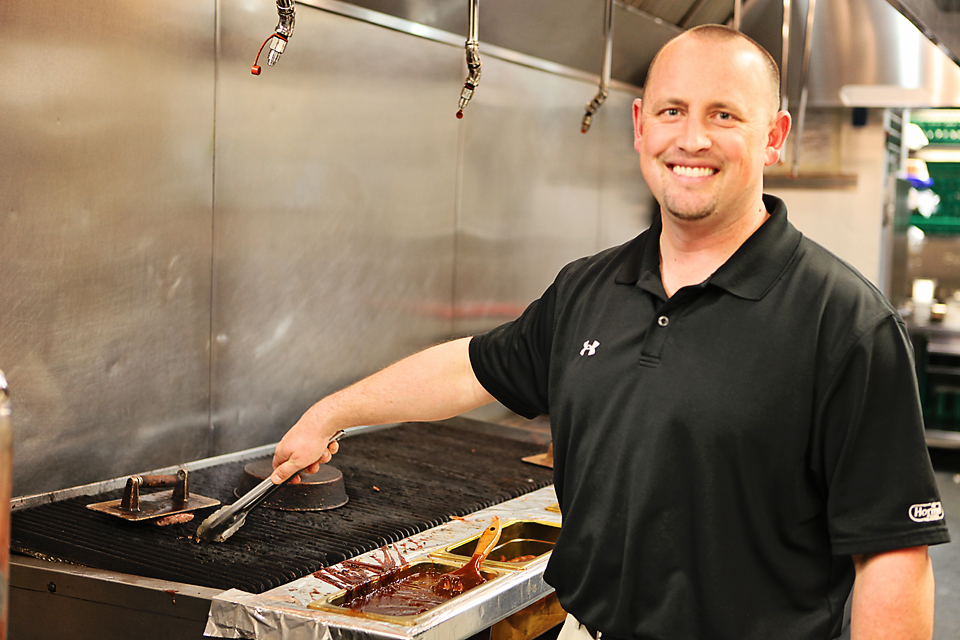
(517, 538)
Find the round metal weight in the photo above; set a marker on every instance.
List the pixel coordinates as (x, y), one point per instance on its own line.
(315, 491)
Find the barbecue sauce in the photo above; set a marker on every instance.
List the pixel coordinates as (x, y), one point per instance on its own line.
(409, 595)
(526, 558)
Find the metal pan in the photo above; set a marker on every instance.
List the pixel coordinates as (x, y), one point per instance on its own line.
(315, 491)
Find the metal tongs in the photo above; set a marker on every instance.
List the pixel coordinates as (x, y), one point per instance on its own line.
(225, 521)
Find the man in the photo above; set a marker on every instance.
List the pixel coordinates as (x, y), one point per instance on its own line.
(737, 436)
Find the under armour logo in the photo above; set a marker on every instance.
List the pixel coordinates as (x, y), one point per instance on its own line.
(589, 348)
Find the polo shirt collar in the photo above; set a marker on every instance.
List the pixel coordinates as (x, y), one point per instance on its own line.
(749, 273)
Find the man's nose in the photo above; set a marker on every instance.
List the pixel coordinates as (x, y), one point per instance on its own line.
(695, 136)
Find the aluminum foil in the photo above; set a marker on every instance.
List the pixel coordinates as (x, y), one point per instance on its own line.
(282, 613)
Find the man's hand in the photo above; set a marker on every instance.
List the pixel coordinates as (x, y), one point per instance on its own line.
(304, 448)
(893, 596)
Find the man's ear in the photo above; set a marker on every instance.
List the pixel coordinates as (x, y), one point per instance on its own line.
(777, 137)
(637, 126)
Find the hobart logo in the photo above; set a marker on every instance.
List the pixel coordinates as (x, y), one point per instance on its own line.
(589, 348)
(929, 512)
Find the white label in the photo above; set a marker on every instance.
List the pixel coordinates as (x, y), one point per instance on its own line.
(929, 512)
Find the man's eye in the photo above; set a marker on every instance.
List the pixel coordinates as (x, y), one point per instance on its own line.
(723, 115)
(671, 112)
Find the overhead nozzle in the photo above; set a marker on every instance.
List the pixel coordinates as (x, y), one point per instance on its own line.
(283, 32)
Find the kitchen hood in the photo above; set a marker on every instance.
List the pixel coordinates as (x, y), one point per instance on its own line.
(568, 32)
(862, 53)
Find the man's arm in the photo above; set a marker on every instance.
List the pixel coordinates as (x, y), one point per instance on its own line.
(435, 384)
(893, 596)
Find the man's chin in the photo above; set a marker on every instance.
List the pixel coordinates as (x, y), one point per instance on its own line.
(688, 207)
(689, 214)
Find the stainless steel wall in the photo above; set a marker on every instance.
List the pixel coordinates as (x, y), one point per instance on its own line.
(565, 31)
(335, 196)
(106, 143)
(191, 255)
(536, 191)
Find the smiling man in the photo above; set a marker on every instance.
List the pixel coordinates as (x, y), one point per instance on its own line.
(706, 128)
(736, 425)
(706, 135)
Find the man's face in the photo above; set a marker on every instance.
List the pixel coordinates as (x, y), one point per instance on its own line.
(706, 127)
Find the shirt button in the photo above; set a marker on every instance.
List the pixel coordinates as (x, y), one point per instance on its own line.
(663, 321)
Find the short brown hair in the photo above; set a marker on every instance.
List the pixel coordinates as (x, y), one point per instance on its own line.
(724, 33)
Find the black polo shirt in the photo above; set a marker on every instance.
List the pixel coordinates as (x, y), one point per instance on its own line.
(721, 453)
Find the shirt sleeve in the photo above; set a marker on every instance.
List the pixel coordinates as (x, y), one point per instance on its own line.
(512, 362)
(881, 490)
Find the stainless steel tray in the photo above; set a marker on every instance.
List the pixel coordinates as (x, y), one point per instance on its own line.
(517, 538)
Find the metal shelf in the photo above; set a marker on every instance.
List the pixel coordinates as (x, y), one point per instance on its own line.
(940, 439)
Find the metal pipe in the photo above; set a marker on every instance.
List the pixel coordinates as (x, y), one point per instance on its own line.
(472, 47)
(804, 77)
(6, 489)
(286, 10)
(736, 14)
(784, 59)
(604, 89)
(785, 56)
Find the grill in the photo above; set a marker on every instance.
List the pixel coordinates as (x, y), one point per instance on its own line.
(399, 481)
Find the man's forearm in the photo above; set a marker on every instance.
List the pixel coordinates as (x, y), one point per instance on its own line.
(434, 384)
(893, 596)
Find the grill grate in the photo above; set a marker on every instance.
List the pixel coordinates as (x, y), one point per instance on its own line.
(423, 473)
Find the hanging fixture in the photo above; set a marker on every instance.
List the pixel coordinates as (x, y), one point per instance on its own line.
(605, 73)
(472, 47)
(284, 31)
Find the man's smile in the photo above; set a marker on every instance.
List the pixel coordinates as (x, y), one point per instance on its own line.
(692, 172)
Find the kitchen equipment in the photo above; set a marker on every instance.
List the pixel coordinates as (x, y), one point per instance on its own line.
(225, 521)
(542, 459)
(135, 506)
(352, 601)
(469, 576)
(315, 491)
(522, 543)
(401, 481)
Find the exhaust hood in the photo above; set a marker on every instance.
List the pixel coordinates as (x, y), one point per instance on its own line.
(938, 20)
(863, 53)
(568, 32)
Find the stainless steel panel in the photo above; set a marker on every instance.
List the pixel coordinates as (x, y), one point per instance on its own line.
(687, 13)
(866, 42)
(938, 20)
(626, 205)
(158, 198)
(529, 197)
(533, 187)
(335, 193)
(68, 602)
(636, 40)
(107, 187)
(568, 33)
